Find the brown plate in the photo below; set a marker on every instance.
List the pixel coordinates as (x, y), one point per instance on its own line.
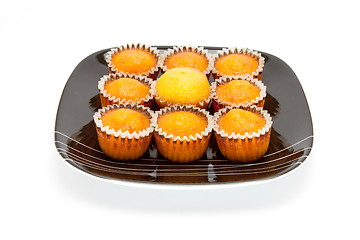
(290, 143)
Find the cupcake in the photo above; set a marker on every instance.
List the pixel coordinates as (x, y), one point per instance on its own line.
(187, 56)
(238, 63)
(237, 93)
(182, 133)
(124, 131)
(120, 88)
(183, 86)
(242, 135)
(134, 59)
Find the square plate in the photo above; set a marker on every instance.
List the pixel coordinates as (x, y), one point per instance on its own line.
(290, 143)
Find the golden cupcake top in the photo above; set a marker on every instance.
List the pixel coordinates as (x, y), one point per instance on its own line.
(187, 59)
(183, 86)
(135, 61)
(125, 119)
(240, 121)
(236, 64)
(182, 123)
(237, 92)
(127, 88)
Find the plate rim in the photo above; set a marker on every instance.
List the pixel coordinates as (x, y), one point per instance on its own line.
(182, 186)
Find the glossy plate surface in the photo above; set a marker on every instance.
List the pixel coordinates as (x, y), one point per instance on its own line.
(290, 143)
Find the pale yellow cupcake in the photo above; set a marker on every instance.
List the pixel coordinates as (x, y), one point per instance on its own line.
(183, 86)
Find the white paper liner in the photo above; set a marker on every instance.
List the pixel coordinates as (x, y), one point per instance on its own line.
(143, 133)
(195, 49)
(223, 80)
(187, 108)
(252, 53)
(111, 77)
(153, 50)
(203, 103)
(254, 109)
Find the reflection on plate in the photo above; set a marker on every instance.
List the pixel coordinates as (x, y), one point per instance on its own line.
(290, 143)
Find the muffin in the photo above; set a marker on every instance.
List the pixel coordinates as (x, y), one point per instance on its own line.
(237, 93)
(121, 88)
(242, 135)
(124, 131)
(238, 63)
(187, 56)
(182, 133)
(134, 59)
(183, 86)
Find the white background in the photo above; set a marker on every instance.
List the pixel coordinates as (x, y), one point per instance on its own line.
(41, 42)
